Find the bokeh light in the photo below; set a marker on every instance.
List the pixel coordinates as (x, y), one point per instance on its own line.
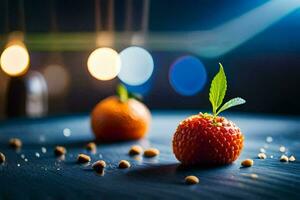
(187, 75)
(37, 95)
(104, 63)
(136, 66)
(15, 60)
(58, 79)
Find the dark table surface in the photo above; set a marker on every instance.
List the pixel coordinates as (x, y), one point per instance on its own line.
(33, 174)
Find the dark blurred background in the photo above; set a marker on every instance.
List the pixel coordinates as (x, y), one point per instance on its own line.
(264, 68)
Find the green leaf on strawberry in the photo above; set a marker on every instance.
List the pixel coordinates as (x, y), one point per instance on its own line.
(217, 93)
(233, 102)
(218, 89)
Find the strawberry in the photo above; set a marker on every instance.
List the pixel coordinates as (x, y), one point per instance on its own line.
(208, 139)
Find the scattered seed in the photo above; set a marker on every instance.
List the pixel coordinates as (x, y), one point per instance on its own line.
(135, 150)
(247, 163)
(292, 159)
(82, 158)
(15, 143)
(152, 152)
(18, 165)
(191, 180)
(123, 164)
(269, 139)
(37, 154)
(22, 156)
(91, 146)
(284, 158)
(2, 158)
(262, 156)
(282, 149)
(60, 151)
(26, 160)
(271, 156)
(99, 166)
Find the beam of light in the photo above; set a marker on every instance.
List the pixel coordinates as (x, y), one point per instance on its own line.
(15, 60)
(205, 43)
(230, 35)
(226, 37)
(104, 63)
(187, 75)
(136, 66)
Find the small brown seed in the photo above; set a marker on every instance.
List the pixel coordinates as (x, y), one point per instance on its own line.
(284, 158)
(99, 166)
(2, 158)
(191, 180)
(15, 143)
(151, 152)
(82, 158)
(91, 146)
(292, 159)
(262, 156)
(135, 150)
(247, 163)
(123, 164)
(60, 151)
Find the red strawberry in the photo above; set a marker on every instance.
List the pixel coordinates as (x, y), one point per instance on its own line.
(203, 139)
(206, 139)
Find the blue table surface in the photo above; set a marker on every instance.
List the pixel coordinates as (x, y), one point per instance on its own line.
(31, 174)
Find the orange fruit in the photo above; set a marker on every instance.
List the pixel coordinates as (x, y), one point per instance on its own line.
(115, 120)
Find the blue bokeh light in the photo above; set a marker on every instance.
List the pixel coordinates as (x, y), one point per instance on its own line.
(187, 75)
(136, 66)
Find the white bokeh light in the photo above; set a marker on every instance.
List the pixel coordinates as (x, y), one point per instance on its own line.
(136, 66)
(15, 60)
(104, 63)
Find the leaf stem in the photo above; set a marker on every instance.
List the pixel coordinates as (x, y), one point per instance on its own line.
(122, 93)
